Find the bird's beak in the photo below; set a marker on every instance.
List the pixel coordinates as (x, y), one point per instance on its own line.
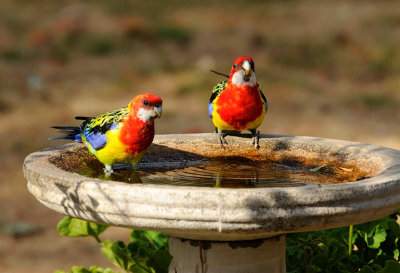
(157, 112)
(247, 68)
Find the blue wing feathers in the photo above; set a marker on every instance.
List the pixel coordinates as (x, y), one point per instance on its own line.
(93, 130)
(210, 109)
(97, 139)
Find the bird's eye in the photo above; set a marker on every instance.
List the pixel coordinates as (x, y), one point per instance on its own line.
(235, 66)
(146, 102)
(157, 105)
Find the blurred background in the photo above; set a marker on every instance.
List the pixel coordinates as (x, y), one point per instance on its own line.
(328, 68)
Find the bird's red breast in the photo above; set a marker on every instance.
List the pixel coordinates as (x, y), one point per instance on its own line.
(136, 134)
(238, 106)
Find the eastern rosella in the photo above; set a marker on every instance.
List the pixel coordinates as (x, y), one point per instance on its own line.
(238, 104)
(120, 136)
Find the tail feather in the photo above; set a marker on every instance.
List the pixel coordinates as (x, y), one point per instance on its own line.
(74, 138)
(71, 128)
(83, 118)
(70, 132)
(220, 73)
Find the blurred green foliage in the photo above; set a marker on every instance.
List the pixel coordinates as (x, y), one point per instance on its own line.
(174, 34)
(375, 249)
(147, 251)
(304, 53)
(99, 45)
(377, 100)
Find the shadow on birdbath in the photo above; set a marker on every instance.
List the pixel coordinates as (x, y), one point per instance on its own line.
(222, 222)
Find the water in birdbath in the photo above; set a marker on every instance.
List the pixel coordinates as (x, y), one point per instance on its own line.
(230, 172)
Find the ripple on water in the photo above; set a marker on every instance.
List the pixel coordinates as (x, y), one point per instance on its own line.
(227, 173)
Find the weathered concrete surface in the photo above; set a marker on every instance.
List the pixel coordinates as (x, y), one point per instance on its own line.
(257, 256)
(221, 213)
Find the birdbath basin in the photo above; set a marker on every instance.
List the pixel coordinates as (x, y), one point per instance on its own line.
(226, 229)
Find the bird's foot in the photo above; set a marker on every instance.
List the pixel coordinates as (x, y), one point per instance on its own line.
(221, 139)
(108, 170)
(255, 139)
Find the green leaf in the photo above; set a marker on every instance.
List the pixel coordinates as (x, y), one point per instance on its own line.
(396, 254)
(95, 269)
(376, 244)
(118, 254)
(375, 237)
(73, 227)
(140, 250)
(390, 267)
(160, 261)
(319, 263)
(366, 269)
(138, 268)
(79, 269)
(156, 239)
(150, 250)
(92, 269)
(337, 251)
(147, 253)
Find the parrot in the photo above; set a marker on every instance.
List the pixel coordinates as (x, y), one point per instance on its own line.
(119, 136)
(238, 104)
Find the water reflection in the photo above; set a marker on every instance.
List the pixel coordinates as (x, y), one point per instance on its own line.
(94, 170)
(226, 173)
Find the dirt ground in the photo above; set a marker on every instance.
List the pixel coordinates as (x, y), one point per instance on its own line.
(328, 68)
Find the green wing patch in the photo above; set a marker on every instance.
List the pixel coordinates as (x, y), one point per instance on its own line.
(218, 89)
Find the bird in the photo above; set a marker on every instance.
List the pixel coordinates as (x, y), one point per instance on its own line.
(238, 104)
(119, 136)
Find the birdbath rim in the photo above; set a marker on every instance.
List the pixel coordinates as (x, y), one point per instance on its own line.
(226, 214)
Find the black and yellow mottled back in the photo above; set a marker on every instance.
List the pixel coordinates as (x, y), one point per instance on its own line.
(94, 129)
(103, 123)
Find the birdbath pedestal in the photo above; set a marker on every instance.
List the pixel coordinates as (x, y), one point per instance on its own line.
(218, 230)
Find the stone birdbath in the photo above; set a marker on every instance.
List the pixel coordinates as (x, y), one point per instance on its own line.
(218, 229)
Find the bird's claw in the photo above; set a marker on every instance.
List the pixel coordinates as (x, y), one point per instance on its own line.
(108, 170)
(221, 139)
(224, 141)
(255, 139)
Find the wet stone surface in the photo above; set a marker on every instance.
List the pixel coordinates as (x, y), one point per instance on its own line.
(164, 165)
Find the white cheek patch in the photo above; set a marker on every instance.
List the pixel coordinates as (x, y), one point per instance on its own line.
(238, 79)
(145, 115)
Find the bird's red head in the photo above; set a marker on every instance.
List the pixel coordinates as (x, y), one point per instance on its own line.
(238, 63)
(146, 107)
(242, 72)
